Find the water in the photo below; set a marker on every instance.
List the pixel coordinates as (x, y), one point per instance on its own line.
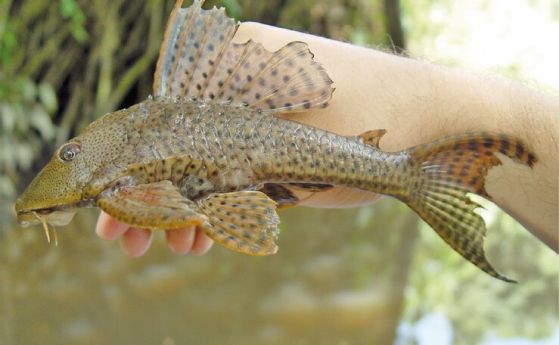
(340, 277)
(325, 286)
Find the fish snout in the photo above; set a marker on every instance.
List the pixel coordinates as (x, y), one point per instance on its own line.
(33, 208)
(24, 217)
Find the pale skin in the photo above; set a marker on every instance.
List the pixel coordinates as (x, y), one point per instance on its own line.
(416, 102)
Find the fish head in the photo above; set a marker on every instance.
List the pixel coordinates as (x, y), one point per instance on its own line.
(63, 184)
(54, 190)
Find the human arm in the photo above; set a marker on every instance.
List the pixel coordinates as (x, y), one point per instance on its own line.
(418, 102)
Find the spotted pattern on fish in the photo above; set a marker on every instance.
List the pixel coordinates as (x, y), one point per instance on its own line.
(198, 60)
(244, 221)
(208, 151)
(157, 205)
(451, 168)
(432, 179)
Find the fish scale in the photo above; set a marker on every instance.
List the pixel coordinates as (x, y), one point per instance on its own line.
(293, 160)
(208, 150)
(246, 128)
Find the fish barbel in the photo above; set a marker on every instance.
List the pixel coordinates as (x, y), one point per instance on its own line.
(209, 151)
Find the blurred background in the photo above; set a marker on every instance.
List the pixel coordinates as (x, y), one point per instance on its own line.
(374, 275)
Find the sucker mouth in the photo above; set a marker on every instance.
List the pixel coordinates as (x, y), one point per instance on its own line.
(49, 210)
(39, 211)
(44, 211)
(57, 215)
(48, 218)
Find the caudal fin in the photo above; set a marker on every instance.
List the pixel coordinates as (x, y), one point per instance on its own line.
(449, 169)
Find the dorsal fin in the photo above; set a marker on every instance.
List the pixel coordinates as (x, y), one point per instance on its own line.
(198, 60)
(373, 137)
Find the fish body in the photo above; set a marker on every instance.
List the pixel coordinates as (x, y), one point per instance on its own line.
(232, 148)
(209, 150)
(238, 148)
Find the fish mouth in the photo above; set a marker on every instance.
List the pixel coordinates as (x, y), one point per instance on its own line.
(57, 216)
(53, 216)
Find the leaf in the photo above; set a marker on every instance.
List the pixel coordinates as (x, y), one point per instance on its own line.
(48, 97)
(22, 116)
(233, 8)
(28, 90)
(23, 155)
(7, 162)
(41, 121)
(7, 187)
(8, 43)
(69, 8)
(79, 33)
(8, 118)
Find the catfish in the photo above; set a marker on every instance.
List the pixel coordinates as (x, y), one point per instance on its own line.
(208, 149)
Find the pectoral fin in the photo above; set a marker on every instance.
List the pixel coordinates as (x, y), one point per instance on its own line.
(157, 205)
(244, 222)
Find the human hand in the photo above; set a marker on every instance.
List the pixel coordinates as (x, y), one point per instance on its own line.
(135, 242)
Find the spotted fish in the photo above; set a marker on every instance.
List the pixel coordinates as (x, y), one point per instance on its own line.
(209, 150)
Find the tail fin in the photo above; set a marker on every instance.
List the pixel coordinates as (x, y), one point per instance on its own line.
(449, 169)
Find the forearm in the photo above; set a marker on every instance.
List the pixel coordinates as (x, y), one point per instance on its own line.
(417, 102)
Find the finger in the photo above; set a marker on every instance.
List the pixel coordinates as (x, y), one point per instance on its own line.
(109, 228)
(181, 240)
(135, 242)
(202, 243)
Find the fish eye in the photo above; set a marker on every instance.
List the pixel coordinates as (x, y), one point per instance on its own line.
(69, 151)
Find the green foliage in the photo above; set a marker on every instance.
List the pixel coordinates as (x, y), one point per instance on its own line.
(357, 21)
(71, 10)
(233, 8)
(8, 43)
(25, 124)
(27, 107)
(26, 110)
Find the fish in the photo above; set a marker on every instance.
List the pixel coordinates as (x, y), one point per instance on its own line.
(210, 149)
